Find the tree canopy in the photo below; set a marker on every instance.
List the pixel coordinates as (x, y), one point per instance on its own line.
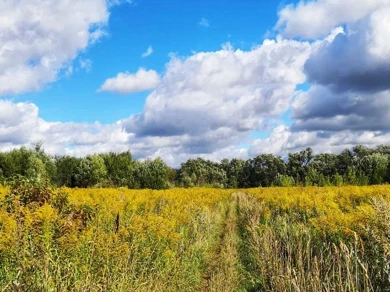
(357, 166)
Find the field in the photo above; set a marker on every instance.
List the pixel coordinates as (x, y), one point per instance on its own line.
(201, 239)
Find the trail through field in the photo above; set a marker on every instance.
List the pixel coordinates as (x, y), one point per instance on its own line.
(223, 272)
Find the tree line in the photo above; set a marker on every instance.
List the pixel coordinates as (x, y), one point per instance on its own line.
(357, 166)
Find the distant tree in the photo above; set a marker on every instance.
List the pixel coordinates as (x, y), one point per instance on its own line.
(387, 178)
(298, 164)
(284, 181)
(90, 171)
(338, 180)
(36, 168)
(8, 166)
(325, 164)
(357, 166)
(383, 149)
(374, 167)
(344, 161)
(151, 174)
(172, 177)
(119, 168)
(356, 177)
(263, 170)
(31, 163)
(234, 170)
(193, 172)
(19, 161)
(216, 175)
(42, 165)
(67, 167)
(360, 151)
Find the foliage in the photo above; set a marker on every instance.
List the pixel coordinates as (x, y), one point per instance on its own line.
(234, 170)
(119, 168)
(25, 191)
(357, 166)
(90, 171)
(66, 170)
(151, 174)
(200, 172)
(263, 170)
(111, 239)
(199, 239)
(298, 164)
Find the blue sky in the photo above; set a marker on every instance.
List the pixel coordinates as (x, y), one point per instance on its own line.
(169, 27)
(181, 79)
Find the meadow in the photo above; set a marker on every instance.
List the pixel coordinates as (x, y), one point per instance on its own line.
(198, 239)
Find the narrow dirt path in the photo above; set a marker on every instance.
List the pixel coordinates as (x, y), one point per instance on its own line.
(223, 272)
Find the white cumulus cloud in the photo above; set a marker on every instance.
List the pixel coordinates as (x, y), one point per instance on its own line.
(204, 105)
(39, 38)
(314, 19)
(148, 52)
(227, 89)
(283, 141)
(207, 104)
(126, 82)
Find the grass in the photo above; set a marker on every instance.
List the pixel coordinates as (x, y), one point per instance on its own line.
(276, 239)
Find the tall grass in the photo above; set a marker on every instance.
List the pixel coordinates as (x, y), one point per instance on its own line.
(117, 241)
(289, 251)
(378, 244)
(277, 239)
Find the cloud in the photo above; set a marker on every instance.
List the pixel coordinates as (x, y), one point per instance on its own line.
(357, 60)
(351, 81)
(274, 144)
(315, 19)
(86, 64)
(20, 125)
(129, 83)
(322, 109)
(348, 102)
(208, 103)
(205, 105)
(283, 141)
(148, 52)
(40, 38)
(204, 22)
(15, 122)
(228, 89)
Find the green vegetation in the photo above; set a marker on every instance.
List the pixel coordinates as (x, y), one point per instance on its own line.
(198, 239)
(359, 166)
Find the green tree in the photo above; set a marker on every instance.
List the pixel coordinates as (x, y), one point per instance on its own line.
(298, 164)
(325, 164)
(90, 171)
(343, 162)
(284, 181)
(41, 165)
(383, 149)
(36, 168)
(151, 174)
(360, 151)
(263, 170)
(234, 170)
(194, 172)
(119, 168)
(374, 167)
(67, 167)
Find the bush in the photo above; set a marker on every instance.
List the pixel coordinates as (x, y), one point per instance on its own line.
(27, 191)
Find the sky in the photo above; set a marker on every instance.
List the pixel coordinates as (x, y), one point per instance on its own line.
(183, 79)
